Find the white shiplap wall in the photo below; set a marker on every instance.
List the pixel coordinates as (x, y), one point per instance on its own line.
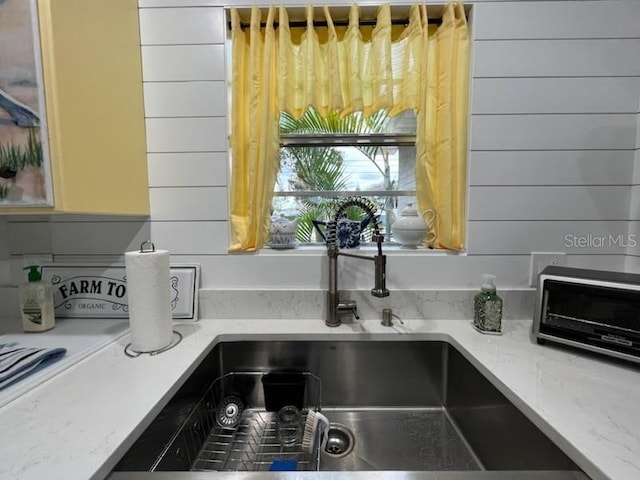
(554, 128)
(4, 252)
(632, 263)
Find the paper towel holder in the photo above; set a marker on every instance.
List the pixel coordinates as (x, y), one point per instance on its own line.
(153, 247)
(177, 336)
(175, 340)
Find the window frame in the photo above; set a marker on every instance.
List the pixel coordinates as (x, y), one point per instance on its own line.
(347, 140)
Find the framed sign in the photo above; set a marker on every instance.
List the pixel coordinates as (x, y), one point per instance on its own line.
(100, 291)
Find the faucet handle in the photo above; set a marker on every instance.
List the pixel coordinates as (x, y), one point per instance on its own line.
(347, 307)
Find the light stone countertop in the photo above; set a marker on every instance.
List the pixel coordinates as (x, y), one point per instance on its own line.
(78, 424)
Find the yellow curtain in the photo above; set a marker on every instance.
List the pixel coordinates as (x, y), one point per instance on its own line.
(442, 118)
(254, 130)
(348, 71)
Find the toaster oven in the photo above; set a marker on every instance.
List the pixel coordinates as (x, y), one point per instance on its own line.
(589, 309)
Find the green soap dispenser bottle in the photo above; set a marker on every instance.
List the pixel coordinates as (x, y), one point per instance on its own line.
(487, 316)
(36, 302)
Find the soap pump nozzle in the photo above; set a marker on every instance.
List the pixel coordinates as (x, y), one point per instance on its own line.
(34, 274)
(488, 282)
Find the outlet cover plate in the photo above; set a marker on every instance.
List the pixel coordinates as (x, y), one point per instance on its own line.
(540, 260)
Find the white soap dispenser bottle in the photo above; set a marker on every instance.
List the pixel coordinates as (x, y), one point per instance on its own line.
(36, 302)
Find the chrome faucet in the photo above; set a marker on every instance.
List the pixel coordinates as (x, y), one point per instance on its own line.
(337, 308)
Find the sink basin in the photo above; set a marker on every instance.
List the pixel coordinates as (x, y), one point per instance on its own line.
(403, 406)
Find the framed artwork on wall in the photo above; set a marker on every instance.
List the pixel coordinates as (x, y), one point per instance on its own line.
(24, 163)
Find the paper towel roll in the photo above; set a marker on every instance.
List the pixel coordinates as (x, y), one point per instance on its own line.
(149, 299)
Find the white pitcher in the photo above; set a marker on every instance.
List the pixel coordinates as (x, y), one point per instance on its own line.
(411, 228)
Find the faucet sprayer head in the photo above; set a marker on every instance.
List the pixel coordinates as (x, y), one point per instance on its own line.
(378, 238)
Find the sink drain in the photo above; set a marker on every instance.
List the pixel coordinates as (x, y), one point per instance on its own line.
(229, 411)
(340, 441)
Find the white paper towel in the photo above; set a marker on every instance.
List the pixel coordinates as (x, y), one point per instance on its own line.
(149, 299)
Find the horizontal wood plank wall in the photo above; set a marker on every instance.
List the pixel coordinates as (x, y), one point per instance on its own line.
(554, 122)
(4, 239)
(5, 266)
(183, 52)
(553, 142)
(632, 261)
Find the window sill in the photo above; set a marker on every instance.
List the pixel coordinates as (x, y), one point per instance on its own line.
(389, 250)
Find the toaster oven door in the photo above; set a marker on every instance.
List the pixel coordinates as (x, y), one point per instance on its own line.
(601, 316)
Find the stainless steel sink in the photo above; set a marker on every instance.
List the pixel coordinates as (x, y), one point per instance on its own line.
(395, 406)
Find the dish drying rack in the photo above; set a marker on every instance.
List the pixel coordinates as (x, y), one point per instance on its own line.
(233, 425)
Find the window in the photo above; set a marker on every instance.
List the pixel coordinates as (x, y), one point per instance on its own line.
(324, 107)
(323, 159)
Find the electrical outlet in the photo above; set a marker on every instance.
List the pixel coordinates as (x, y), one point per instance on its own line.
(539, 260)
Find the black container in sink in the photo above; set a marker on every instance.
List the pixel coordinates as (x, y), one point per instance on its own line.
(283, 388)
